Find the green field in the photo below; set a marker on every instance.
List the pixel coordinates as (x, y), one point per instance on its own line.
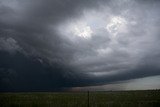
(80, 99)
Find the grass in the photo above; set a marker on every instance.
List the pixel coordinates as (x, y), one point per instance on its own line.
(80, 99)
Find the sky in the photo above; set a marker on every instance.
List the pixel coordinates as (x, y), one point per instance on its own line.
(76, 45)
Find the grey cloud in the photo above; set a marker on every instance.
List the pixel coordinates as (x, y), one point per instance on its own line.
(9, 44)
(44, 29)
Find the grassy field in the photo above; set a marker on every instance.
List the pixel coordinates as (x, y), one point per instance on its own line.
(80, 99)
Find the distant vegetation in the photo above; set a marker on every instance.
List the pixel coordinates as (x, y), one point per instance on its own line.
(80, 99)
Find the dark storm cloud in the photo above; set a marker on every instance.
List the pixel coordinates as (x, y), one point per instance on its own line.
(30, 23)
(26, 28)
(40, 38)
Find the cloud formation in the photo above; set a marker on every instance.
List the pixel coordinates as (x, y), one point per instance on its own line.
(77, 43)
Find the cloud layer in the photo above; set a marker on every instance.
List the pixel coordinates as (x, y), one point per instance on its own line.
(59, 44)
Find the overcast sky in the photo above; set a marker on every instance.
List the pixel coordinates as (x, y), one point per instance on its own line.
(56, 45)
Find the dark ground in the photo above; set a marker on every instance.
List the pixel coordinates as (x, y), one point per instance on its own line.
(150, 98)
